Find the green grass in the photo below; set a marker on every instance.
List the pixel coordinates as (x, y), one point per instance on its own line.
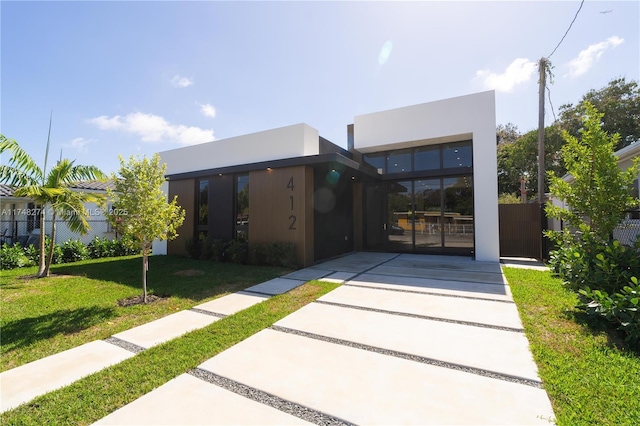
(589, 380)
(95, 396)
(78, 304)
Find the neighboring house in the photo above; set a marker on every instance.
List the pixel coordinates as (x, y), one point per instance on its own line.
(20, 217)
(417, 179)
(630, 228)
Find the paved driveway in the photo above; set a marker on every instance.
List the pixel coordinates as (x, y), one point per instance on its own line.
(407, 339)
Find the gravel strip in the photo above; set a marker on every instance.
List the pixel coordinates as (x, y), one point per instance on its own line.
(300, 411)
(124, 344)
(417, 358)
(405, 314)
(213, 314)
(429, 293)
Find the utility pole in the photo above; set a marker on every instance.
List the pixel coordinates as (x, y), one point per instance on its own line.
(542, 85)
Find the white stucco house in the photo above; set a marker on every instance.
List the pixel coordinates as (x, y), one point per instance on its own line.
(20, 221)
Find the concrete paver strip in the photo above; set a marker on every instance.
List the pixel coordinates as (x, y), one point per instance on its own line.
(36, 378)
(232, 303)
(357, 262)
(499, 351)
(308, 274)
(276, 286)
(456, 288)
(487, 312)
(339, 277)
(369, 388)
(441, 274)
(448, 263)
(187, 400)
(166, 328)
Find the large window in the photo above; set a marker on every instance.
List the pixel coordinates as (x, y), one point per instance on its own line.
(242, 207)
(429, 158)
(203, 209)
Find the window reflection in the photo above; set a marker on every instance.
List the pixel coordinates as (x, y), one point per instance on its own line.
(456, 154)
(242, 207)
(203, 202)
(399, 161)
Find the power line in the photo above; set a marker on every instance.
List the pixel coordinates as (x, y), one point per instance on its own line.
(551, 103)
(567, 32)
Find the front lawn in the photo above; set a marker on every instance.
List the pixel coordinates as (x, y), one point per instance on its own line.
(78, 303)
(99, 394)
(589, 380)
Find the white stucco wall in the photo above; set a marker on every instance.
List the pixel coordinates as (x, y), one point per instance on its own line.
(285, 142)
(465, 117)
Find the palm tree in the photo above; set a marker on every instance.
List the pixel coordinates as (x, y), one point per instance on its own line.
(51, 189)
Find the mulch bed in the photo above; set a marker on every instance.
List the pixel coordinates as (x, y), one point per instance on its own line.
(137, 300)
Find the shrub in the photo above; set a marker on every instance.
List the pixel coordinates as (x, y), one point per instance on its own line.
(259, 254)
(586, 262)
(12, 257)
(206, 249)
(218, 251)
(621, 309)
(282, 254)
(57, 251)
(236, 251)
(32, 254)
(73, 251)
(100, 247)
(191, 247)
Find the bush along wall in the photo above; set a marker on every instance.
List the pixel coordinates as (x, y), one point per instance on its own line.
(237, 251)
(15, 256)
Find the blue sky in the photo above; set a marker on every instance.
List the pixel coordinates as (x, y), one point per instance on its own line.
(127, 78)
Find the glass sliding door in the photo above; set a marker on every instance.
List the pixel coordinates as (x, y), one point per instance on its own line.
(428, 224)
(458, 212)
(400, 213)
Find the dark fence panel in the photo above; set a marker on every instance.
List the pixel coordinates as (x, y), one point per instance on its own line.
(520, 231)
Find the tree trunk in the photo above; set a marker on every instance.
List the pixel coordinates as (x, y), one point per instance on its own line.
(145, 267)
(41, 268)
(51, 245)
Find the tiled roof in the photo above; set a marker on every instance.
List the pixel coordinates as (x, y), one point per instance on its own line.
(7, 191)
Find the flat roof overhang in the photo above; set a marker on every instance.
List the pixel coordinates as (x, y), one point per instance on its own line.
(361, 170)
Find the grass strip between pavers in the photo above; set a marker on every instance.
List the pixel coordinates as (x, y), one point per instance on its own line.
(99, 394)
(589, 380)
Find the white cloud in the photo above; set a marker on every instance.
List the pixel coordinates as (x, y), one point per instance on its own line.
(208, 110)
(153, 128)
(79, 144)
(586, 58)
(519, 71)
(178, 81)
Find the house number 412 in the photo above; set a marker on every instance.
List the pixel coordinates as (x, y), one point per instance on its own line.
(292, 217)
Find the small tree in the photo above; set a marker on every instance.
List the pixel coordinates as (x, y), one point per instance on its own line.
(599, 193)
(140, 208)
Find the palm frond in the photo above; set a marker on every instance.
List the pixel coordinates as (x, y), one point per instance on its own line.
(15, 177)
(20, 160)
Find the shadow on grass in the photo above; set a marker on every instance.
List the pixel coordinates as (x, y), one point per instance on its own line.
(598, 327)
(166, 275)
(23, 332)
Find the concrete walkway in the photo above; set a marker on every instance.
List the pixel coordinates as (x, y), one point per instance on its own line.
(407, 339)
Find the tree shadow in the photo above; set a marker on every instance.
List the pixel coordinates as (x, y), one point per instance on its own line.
(25, 331)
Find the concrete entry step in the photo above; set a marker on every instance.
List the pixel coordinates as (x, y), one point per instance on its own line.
(369, 388)
(487, 312)
(448, 287)
(22, 384)
(187, 400)
(499, 351)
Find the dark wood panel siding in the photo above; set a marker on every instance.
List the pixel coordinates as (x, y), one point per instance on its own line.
(520, 232)
(276, 216)
(185, 191)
